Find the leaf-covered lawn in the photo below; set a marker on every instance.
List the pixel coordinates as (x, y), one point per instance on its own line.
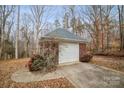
(116, 63)
(10, 66)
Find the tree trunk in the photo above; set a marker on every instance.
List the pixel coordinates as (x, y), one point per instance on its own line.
(108, 32)
(26, 48)
(97, 35)
(17, 34)
(121, 28)
(102, 28)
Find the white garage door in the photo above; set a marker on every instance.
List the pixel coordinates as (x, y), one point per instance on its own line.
(68, 52)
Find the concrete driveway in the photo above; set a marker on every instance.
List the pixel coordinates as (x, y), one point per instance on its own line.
(80, 75)
(89, 75)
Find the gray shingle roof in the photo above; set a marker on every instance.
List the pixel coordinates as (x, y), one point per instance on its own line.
(63, 34)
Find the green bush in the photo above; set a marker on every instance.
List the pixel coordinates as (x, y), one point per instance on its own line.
(38, 62)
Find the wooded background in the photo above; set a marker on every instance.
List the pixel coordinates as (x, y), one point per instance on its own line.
(101, 26)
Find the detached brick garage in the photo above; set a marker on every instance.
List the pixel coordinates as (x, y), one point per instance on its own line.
(67, 46)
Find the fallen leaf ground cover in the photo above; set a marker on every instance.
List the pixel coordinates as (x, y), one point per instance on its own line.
(10, 66)
(116, 63)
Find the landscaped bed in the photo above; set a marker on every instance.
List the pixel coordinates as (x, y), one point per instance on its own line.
(116, 63)
(7, 68)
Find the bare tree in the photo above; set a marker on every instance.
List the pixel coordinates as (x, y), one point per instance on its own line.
(40, 15)
(90, 17)
(10, 24)
(5, 12)
(121, 26)
(73, 18)
(108, 26)
(98, 22)
(37, 12)
(102, 28)
(66, 20)
(26, 33)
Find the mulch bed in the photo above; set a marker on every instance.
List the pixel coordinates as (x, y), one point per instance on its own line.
(10, 66)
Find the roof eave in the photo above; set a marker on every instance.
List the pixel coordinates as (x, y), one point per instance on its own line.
(47, 38)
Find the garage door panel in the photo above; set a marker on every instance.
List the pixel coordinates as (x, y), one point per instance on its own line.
(68, 52)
